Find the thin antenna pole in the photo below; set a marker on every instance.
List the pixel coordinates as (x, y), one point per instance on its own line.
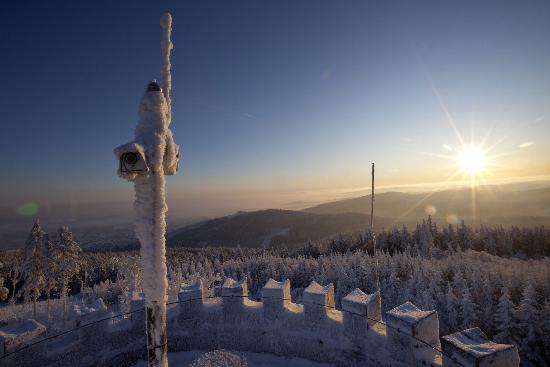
(372, 228)
(372, 200)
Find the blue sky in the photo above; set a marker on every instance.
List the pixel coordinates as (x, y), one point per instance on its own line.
(272, 101)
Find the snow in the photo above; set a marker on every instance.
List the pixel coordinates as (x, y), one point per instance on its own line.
(233, 288)
(191, 291)
(275, 289)
(19, 333)
(409, 313)
(167, 46)
(316, 288)
(318, 294)
(97, 305)
(23, 329)
(360, 303)
(473, 341)
(183, 359)
(358, 296)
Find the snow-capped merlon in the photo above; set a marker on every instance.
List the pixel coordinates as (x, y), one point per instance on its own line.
(359, 303)
(233, 288)
(316, 294)
(276, 290)
(471, 347)
(97, 305)
(408, 313)
(153, 149)
(192, 291)
(406, 321)
(12, 336)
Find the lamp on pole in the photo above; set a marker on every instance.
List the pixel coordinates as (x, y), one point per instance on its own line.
(145, 161)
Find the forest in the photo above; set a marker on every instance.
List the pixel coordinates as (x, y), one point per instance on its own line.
(493, 277)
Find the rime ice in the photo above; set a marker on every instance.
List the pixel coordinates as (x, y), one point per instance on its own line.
(145, 161)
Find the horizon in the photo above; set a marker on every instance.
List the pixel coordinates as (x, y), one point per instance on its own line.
(283, 109)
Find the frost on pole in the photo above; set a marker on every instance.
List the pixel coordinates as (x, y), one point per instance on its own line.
(145, 161)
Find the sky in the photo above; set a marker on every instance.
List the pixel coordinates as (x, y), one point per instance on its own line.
(275, 103)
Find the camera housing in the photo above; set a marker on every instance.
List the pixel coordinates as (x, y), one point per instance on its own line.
(131, 160)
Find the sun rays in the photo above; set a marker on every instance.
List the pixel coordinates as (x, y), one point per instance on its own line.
(471, 163)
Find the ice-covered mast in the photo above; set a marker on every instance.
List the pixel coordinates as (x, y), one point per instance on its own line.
(145, 161)
(372, 228)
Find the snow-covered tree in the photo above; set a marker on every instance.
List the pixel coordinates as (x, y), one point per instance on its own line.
(451, 313)
(51, 273)
(425, 240)
(66, 252)
(33, 265)
(504, 317)
(467, 310)
(529, 323)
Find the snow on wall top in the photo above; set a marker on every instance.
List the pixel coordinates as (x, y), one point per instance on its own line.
(233, 288)
(358, 296)
(191, 291)
(360, 303)
(474, 342)
(21, 332)
(318, 294)
(316, 288)
(409, 313)
(97, 305)
(198, 285)
(275, 289)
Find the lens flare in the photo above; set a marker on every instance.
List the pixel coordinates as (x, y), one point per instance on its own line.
(27, 209)
(430, 210)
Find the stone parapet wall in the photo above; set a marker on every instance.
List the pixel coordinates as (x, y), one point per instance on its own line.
(357, 335)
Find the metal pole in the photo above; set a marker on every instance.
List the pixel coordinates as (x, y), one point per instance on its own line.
(372, 200)
(372, 229)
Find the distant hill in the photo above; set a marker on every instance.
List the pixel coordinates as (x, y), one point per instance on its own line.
(273, 227)
(269, 228)
(492, 206)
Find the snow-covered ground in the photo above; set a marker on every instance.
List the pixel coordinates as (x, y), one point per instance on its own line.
(222, 358)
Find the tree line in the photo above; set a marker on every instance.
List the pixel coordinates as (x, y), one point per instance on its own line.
(466, 274)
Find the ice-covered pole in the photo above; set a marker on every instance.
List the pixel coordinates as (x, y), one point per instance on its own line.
(145, 161)
(166, 44)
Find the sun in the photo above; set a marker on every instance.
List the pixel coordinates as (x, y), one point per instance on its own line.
(473, 160)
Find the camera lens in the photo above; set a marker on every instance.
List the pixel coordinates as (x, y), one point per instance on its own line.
(131, 158)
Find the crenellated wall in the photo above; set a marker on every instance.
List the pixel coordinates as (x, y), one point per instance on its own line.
(316, 330)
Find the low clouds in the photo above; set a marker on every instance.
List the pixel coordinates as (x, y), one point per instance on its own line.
(526, 144)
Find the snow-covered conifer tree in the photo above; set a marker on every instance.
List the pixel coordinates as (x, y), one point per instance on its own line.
(485, 297)
(426, 241)
(504, 317)
(51, 273)
(451, 314)
(467, 310)
(529, 323)
(67, 255)
(33, 266)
